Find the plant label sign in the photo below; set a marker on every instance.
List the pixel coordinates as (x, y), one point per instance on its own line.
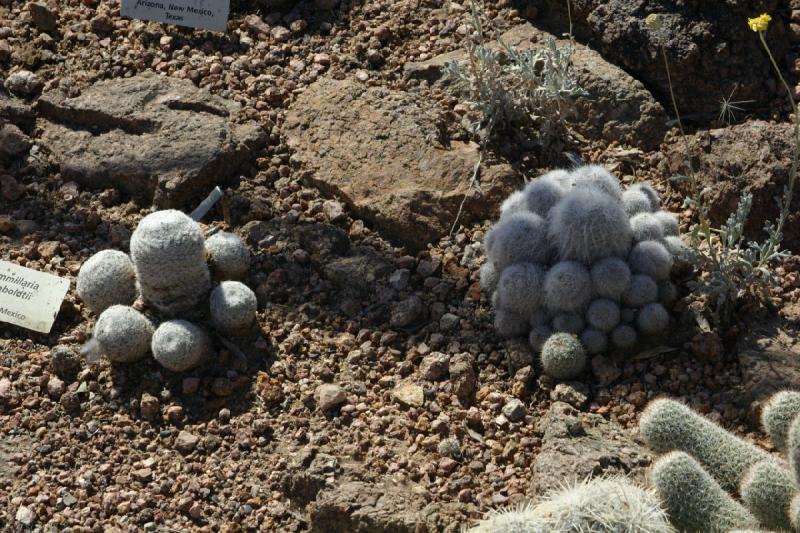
(30, 298)
(207, 14)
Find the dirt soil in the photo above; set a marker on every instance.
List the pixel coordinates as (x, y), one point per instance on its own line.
(424, 433)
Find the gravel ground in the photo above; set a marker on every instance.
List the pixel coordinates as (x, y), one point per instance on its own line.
(135, 447)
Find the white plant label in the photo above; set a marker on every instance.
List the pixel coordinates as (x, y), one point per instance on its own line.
(207, 14)
(30, 298)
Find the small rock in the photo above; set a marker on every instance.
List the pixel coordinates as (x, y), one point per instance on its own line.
(407, 312)
(23, 82)
(195, 511)
(280, 34)
(434, 366)
(69, 499)
(55, 388)
(102, 24)
(185, 442)
(449, 448)
(605, 370)
(409, 394)
(448, 322)
(10, 189)
(429, 267)
(399, 278)
(514, 410)
(25, 516)
(329, 396)
(150, 407)
(44, 19)
(71, 402)
(12, 141)
(190, 385)
(333, 210)
(447, 465)
(174, 414)
(222, 387)
(26, 227)
(256, 25)
(7, 224)
(463, 378)
(48, 249)
(565, 392)
(143, 475)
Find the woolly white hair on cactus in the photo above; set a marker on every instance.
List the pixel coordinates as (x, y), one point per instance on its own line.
(562, 356)
(597, 177)
(635, 201)
(651, 259)
(233, 308)
(227, 255)
(179, 345)
(610, 277)
(567, 287)
(542, 194)
(168, 253)
(105, 279)
(588, 225)
(123, 334)
(518, 238)
(646, 227)
(513, 204)
(519, 288)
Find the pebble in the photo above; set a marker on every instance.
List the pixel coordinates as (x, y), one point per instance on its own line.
(150, 407)
(605, 370)
(566, 392)
(280, 34)
(25, 516)
(463, 378)
(55, 388)
(334, 211)
(185, 442)
(190, 385)
(407, 312)
(23, 82)
(514, 410)
(10, 189)
(435, 366)
(409, 394)
(7, 224)
(329, 396)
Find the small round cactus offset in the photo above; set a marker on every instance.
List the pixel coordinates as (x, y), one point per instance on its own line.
(123, 334)
(563, 356)
(592, 258)
(105, 279)
(228, 255)
(168, 270)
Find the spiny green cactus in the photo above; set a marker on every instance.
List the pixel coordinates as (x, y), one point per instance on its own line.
(777, 416)
(563, 356)
(668, 425)
(517, 519)
(794, 511)
(586, 226)
(767, 490)
(652, 195)
(793, 447)
(695, 502)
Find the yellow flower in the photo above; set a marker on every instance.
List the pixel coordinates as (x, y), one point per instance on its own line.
(759, 23)
(653, 22)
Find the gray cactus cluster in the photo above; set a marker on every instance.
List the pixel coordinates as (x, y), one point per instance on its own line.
(573, 254)
(600, 505)
(704, 468)
(171, 270)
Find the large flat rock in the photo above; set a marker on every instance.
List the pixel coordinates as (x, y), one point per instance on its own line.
(381, 152)
(618, 107)
(153, 137)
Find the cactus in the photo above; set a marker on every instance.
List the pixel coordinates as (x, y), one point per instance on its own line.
(227, 255)
(598, 178)
(651, 259)
(602, 505)
(560, 176)
(668, 425)
(233, 308)
(667, 293)
(669, 223)
(567, 287)
(627, 315)
(515, 203)
(635, 201)
(123, 334)
(509, 324)
(695, 502)
(488, 277)
(518, 238)
(777, 416)
(652, 319)
(538, 336)
(767, 490)
(179, 345)
(793, 450)
(646, 227)
(520, 289)
(652, 195)
(514, 520)
(586, 226)
(642, 290)
(568, 323)
(562, 356)
(542, 194)
(603, 314)
(794, 511)
(594, 340)
(539, 318)
(624, 337)
(168, 254)
(105, 279)
(680, 252)
(610, 277)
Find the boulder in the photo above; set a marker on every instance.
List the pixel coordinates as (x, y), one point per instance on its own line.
(754, 157)
(576, 445)
(382, 153)
(710, 48)
(157, 138)
(617, 107)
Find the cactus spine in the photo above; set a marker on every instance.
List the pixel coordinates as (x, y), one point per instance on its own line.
(767, 490)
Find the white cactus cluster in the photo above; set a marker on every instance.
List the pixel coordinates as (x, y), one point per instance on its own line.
(168, 269)
(573, 253)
